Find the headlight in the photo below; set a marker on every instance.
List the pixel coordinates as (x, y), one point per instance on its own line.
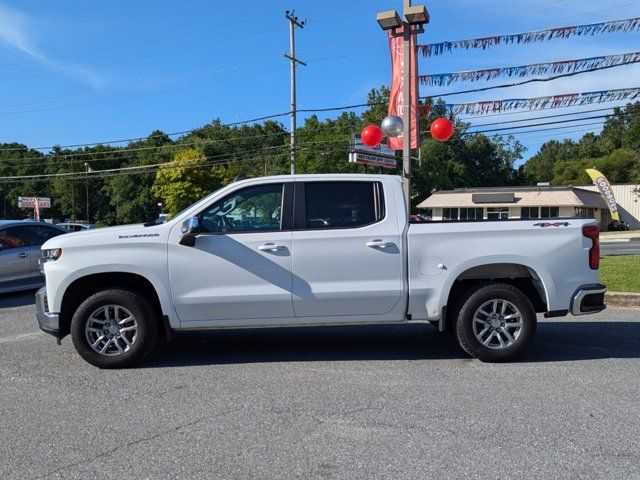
(51, 254)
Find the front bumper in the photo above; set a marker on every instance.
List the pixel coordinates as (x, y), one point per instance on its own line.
(49, 322)
(588, 299)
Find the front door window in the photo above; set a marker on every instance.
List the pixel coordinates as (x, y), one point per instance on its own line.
(253, 209)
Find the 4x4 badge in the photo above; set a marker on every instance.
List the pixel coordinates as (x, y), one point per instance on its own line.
(554, 224)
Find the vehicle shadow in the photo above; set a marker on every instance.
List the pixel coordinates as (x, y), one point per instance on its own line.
(17, 299)
(554, 342)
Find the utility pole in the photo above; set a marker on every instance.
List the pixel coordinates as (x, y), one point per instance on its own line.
(86, 186)
(73, 193)
(291, 55)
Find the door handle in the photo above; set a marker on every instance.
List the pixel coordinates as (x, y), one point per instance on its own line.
(23, 255)
(271, 247)
(380, 244)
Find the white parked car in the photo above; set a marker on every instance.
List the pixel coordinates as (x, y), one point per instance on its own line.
(315, 250)
(76, 226)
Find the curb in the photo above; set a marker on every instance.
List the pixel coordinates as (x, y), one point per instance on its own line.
(622, 300)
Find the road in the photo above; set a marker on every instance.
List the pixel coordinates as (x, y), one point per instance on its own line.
(620, 247)
(392, 402)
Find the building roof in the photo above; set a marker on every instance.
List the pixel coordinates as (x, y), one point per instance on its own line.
(523, 197)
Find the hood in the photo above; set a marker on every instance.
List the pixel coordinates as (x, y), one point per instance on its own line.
(109, 235)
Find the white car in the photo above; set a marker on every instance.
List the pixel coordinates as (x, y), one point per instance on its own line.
(314, 250)
(76, 226)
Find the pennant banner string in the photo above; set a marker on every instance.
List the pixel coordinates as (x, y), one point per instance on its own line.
(537, 103)
(565, 66)
(611, 26)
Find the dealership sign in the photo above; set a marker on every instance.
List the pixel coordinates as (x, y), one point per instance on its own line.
(30, 202)
(379, 156)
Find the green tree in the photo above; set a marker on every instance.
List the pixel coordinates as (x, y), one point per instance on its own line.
(614, 151)
(185, 180)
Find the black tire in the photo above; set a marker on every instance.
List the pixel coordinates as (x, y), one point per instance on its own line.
(146, 336)
(479, 296)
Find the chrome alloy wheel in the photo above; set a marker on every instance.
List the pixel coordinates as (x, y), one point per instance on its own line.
(497, 324)
(111, 330)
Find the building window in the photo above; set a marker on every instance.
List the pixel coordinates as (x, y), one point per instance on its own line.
(498, 213)
(529, 212)
(471, 213)
(585, 212)
(549, 212)
(450, 214)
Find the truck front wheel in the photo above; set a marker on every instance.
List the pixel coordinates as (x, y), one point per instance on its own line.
(114, 328)
(495, 322)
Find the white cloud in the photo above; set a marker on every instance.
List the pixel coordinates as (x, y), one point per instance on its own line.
(14, 26)
(15, 33)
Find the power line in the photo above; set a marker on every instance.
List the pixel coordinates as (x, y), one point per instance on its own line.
(573, 65)
(555, 122)
(533, 80)
(493, 130)
(103, 102)
(219, 160)
(312, 110)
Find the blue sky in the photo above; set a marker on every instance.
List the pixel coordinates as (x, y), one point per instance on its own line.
(77, 72)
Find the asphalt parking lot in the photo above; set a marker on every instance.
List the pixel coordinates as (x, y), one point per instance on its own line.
(390, 402)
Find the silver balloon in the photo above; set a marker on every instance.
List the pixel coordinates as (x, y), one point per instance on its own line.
(392, 126)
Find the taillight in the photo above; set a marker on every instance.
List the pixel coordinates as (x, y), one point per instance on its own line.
(593, 232)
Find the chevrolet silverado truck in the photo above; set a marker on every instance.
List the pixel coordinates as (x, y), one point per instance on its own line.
(309, 250)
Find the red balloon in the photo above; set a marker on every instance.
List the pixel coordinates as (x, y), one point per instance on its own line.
(441, 129)
(371, 135)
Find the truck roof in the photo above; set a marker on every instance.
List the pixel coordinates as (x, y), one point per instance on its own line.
(326, 176)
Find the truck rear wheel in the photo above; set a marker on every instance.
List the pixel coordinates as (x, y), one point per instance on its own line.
(495, 323)
(114, 328)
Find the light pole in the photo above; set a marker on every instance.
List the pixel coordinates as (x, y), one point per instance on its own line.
(415, 17)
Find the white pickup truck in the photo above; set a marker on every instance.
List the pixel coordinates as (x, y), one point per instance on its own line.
(314, 250)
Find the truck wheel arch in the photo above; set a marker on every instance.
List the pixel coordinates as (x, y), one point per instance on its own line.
(81, 288)
(523, 277)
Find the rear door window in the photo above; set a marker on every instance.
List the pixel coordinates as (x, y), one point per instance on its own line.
(329, 205)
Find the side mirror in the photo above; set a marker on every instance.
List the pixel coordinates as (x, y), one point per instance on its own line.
(190, 229)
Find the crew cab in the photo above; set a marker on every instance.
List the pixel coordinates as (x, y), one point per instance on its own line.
(308, 250)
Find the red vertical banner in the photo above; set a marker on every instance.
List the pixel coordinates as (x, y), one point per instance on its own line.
(396, 95)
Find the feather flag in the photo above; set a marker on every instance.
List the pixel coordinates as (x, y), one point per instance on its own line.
(612, 26)
(539, 103)
(565, 66)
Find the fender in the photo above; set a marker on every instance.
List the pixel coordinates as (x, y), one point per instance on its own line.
(538, 271)
(159, 284)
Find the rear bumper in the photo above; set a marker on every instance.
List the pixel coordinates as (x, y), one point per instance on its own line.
(48, 322)
(588, 299)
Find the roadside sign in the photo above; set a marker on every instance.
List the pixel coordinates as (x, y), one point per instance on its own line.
(380, 156)
(30, 202)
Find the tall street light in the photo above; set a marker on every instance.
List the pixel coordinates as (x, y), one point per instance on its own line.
(415, 17)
